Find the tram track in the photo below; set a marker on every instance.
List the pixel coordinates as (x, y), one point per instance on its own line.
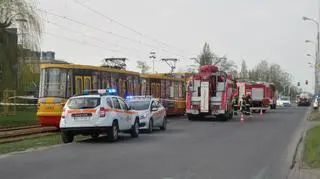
(12, 134)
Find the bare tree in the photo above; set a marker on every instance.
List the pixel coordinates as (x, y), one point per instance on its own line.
(21, 14)
(224, 64)
(207, 57)
(143, 66)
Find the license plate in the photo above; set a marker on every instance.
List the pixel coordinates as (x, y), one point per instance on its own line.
(195, 112)
(81, 118)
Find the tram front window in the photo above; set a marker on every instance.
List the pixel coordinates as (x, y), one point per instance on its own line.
(53, 82)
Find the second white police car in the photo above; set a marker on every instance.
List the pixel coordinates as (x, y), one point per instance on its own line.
(150, 111)
(96, 113)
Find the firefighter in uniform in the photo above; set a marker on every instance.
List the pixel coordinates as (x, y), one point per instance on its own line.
(245, 105)
(235, 102)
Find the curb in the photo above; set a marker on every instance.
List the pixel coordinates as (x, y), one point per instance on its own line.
(296, 158)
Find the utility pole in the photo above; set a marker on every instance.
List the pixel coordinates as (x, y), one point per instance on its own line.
(316, 71)
(152, 57)
(171, 62)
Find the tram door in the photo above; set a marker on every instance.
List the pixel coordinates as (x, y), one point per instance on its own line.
(155, 90)
(82, 83)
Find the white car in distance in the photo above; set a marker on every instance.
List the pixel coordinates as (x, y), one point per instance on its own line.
(150, 111)
(284, 102)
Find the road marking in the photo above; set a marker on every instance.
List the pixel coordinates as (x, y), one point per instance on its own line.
(261, 174)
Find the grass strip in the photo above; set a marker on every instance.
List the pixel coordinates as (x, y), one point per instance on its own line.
(311, 154)
(36, 142)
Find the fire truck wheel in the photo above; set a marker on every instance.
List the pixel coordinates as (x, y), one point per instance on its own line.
(225, 117)
(190, 117)
(231, 114)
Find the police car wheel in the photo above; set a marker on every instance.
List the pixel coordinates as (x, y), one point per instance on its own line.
(164, 124)
(135, 129)
(113, 132)
(150, 127)
(67, 137)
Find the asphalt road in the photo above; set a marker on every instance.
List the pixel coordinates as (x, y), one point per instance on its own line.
(254, 149)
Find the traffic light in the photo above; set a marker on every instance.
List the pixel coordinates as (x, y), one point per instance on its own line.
(306, 82)
(298, 83)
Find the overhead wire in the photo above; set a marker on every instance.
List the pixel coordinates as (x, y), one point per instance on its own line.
(86, 35)
(124, 26)
(102, 30)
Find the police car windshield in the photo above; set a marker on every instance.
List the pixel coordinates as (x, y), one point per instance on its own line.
(285, 99)
(83, 103)
(139, 105)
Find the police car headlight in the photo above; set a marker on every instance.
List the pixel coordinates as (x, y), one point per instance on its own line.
(143, 116)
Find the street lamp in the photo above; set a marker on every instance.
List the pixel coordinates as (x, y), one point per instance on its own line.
(310, 41)
(152, 57)
(309, 55)
(316, 86)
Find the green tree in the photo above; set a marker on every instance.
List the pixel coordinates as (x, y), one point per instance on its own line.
(262, 70)
(21, 14)
(18, 14)
(143, 66)
(206, 56)
(272, 73)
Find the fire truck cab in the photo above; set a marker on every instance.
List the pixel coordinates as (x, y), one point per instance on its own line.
(209, 93)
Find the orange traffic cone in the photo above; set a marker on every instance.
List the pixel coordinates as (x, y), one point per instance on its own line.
(241, 118)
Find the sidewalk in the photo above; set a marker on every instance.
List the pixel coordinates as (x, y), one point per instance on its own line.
(300, 171)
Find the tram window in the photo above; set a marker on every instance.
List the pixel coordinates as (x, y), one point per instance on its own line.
(96, 82)
(79, 86)
(69, 84)
(87, 83)
(53, 82)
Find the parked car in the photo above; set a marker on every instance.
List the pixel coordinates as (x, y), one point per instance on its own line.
(95, 114)
(284, 102)
(151, 112)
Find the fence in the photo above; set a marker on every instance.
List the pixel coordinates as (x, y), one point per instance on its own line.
(17, 110)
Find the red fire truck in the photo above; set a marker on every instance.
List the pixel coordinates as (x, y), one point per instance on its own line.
(304, 99)
(262, 95)
(209, 93)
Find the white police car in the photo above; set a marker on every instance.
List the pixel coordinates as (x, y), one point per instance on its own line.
(151, 112)
(94, 114)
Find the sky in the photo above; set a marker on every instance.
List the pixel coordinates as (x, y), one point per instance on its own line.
(252, 30)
